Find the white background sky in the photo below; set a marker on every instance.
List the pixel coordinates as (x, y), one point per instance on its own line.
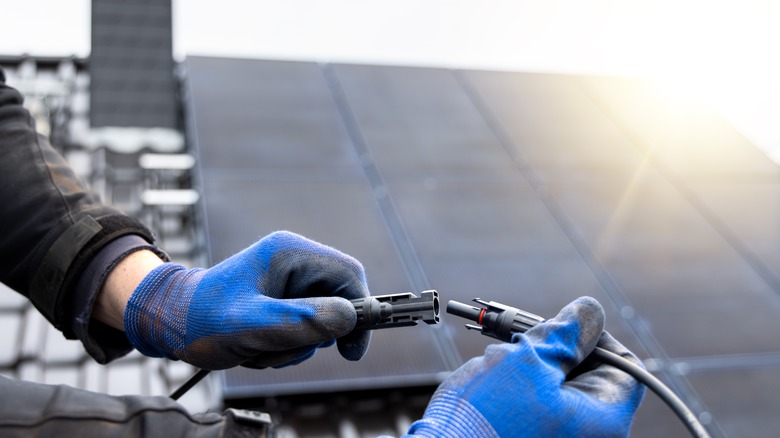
(727, 52)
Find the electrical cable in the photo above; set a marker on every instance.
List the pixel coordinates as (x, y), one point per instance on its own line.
(192, 381)
(664, 393)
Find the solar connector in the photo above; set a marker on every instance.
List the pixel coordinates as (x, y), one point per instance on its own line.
(396, 310)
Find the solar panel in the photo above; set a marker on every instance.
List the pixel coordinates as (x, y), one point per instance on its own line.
(527, 189)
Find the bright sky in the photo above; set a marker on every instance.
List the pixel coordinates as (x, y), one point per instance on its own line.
(725, 51)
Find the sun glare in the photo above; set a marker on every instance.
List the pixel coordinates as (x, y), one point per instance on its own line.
(723, 55)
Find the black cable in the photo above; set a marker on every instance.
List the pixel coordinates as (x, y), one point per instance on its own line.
(664, 393)
(192, 381)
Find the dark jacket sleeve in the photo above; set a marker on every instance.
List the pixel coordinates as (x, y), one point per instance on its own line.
(49, 410)
(51, 226)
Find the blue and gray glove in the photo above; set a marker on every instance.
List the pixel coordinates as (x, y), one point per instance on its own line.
(521, 388)
(272, 304)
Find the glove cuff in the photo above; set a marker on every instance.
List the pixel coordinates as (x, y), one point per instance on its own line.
(157, 309)
(449, 415)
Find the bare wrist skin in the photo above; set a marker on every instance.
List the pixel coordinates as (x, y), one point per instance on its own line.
(120, 284)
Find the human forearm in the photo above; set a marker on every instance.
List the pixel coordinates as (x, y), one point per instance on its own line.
(103, 286)
(119, 286)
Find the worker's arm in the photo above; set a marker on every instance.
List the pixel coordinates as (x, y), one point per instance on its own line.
(272, 304)
(54, 228)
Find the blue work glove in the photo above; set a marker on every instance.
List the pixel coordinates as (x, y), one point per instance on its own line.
(272, 304)
(521, 388)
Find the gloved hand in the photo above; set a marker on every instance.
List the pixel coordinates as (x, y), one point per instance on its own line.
(521, 388)
(272, 304)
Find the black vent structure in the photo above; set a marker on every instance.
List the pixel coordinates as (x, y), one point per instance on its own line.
(131, 65)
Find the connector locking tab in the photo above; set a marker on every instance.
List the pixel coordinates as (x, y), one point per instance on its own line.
(396, 310)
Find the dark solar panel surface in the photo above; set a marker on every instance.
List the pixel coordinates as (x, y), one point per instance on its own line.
(528, 189)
